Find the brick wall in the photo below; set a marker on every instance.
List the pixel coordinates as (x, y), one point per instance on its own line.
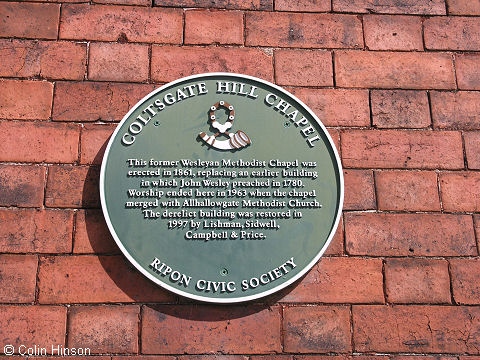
(396, 82)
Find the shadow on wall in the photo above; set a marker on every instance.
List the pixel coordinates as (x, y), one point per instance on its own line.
(127, 283)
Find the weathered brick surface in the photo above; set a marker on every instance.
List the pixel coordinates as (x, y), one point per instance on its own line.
(303, 30)
(460, 191)
(417, 281)
(222, 4)
(459, 110)
(45, 59)
(63, 279)
(92, 234)
(122, 2)
(402, 149)
(21, 185)
(303, 68)
(304, 5)
(47, 142)
(412, 70)
(336, 244)
(452, 33)
(400, 109)
(79, 101)
(437, 329)
(172, 62)
(389, 32)
(472, 149)
(25, 100)
(317, 329)
(465, 67)
(418, 7)
(104, 329)
(407, 190)
(110, 23)
(359, 190)
(337, 107)
(340, 280)
(37, 20)
(463, 7)
(409, 234)
(39, 231)
(72, 186)
(17, 278)
(465, 285)
(94, 142)
(118, 62)
(32, 325)
(257, 327)
(209, 27)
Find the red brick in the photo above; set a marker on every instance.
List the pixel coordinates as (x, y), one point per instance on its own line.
(118, 62)
(336, 245)
(303, 5)
(460, 191)
(271, 357)
(39, 231)
(79, 101)
(415, 328)
(47, 142)
(359, 190)
(417, 281)
(400, 109)
(407, 190)
(466, 67)
(123, 2)
(165, 328)
(414, 7)
(26, 100)
(472, 149)
(409, 234)
(317, 329)
(17, 278)
(172, 62)
(63, 279)
(37, 21)
(208, 27)
(414, 70)
(477, 228)
(337, 107)
(390, 32)
(335, 135)
(104, 329)
(46, 59)
(94, 142)
(92, 234)
(303, 30)
(459, 110)
(465, 285)
(72, 186)
(402, 149)
(221, 4)
(32, 325)
(160, 357)
(21, 185)
(463, 7)
(217, 357)
(340, 280)
(452, 33)
(110, 23)
(303, 68)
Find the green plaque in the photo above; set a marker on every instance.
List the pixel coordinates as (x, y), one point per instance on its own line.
(221, 187)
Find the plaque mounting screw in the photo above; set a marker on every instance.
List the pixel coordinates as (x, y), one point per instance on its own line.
(156, 123)
(286, 124)
(224, 272)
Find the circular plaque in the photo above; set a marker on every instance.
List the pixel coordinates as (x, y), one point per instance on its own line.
(221, 187)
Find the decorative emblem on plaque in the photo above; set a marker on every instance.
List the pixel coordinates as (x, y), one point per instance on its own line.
(209, 212)
(236, 141)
